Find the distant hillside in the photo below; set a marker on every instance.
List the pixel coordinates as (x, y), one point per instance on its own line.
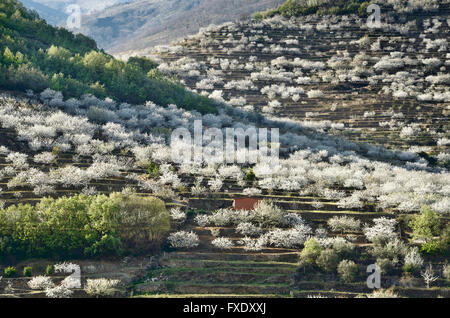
(35, 55)
(387, 86)
(51, 15)
(55, 11)
(146, 23)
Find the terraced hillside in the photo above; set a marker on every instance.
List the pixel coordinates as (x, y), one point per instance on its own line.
(387, 85)
(142, 23)
(52, 147)
(129, 211)
(243, 270)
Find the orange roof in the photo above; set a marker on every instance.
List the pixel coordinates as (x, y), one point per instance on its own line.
(245, 203)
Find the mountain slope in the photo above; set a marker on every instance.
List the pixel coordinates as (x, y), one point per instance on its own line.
(145, 23)
(35, 55)
(387, 86)
(51, 15)
(55, 12)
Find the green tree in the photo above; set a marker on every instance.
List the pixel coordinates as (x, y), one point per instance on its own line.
(8, 57)
(310, 252)
(250, 175)
(143, 63)
(425, 225)
(26, 77)
(348, 271)
(328, 260)
(143, 220)
(153, 170)
(58, 52)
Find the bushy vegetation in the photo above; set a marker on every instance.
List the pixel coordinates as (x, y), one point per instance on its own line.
(295, 8)
(438, 245)
(446, 271)
(426, 224)
(429, 228)
(27, 271)
(10, 271)
(348, 271)
(344, 224)
(101, 287)
(183, 239)
(41, 283)
(35, 55)
(383, 293)
(81, 226)
(310, 252)
(49, 270)
(328, 260)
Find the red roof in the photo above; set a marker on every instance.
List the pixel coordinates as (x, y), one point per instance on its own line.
(245, 203)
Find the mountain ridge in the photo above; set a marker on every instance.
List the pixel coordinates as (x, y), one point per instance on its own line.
(51, 15)
(146, 23)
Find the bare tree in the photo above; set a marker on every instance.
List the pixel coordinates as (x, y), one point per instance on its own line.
(428, 275)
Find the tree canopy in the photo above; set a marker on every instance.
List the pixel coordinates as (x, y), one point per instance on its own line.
(82, 226)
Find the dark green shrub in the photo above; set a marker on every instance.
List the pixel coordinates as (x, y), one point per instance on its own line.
(49, 270)
(431, 247)
(385, 265)
(27, 271)
(153, 170)
(310, 252)
(425, 225)
(26, 77)
(362, 11)
(190, 213)
(259, 16)
(410, 269)
(10, 271)
(328, 260)
(143, 63)
(348, 271)
(250, 176)
(83, 225)
(344, 249)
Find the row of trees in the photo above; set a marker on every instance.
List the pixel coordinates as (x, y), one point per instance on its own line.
(81, 226)
(295, 8)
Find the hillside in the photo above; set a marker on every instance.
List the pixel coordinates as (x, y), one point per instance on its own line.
(99, 173)
(35, 55)
(51, 148)
(147, 23)
(387, 86)
(55, 12)
(51, 15)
